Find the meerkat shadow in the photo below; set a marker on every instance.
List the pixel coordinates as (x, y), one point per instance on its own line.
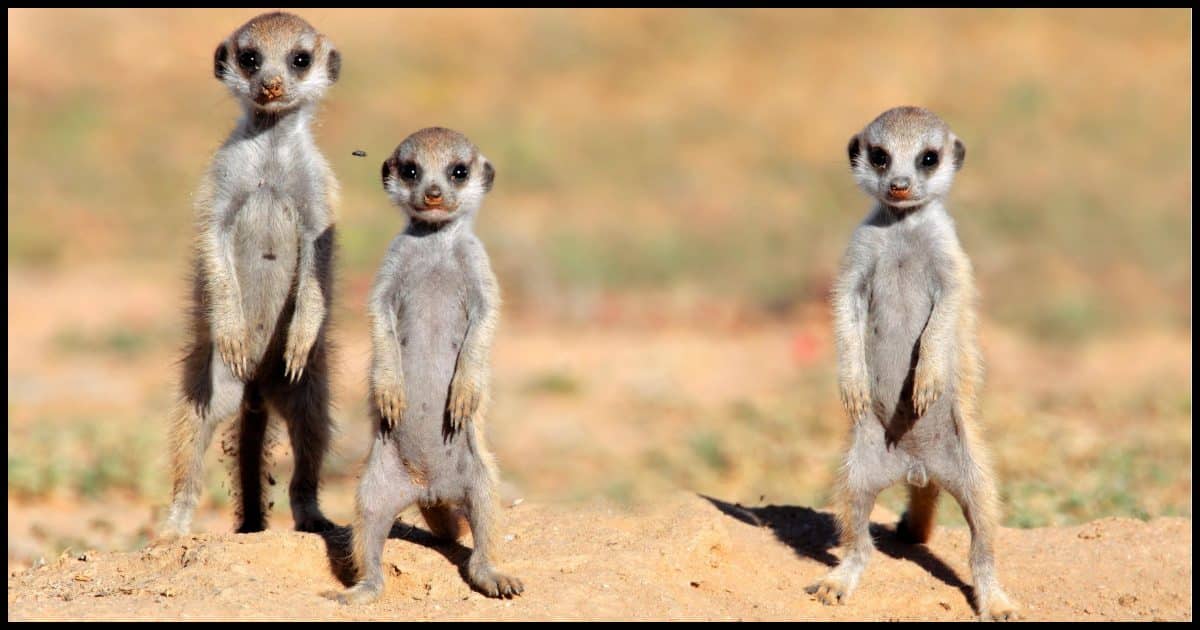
(813, 534)
(339, 543)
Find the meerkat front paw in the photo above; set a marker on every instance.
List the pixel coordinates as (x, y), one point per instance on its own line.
(856, 396)
(389, 396)
(466, 392)
(997, 607)
(299, 345)
(928, 385)
(231, 344)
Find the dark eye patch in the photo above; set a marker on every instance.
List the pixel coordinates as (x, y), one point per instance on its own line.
(928, 159)
(459, 173)
(410, 172)
(249, 60)
(878, 158)
(300, 59)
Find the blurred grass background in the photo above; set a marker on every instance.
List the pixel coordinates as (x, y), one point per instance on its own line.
(659, 171)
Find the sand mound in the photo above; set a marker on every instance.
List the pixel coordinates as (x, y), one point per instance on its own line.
(691, 557)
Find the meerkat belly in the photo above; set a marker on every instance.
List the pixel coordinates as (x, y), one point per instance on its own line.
(266, 251)
(899, 307)
(432, 327)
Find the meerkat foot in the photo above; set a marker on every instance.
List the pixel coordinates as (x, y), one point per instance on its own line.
(830, 591)
(169, 532)
(361, 593)
(997, 607)
(177, 524)
(495, 584)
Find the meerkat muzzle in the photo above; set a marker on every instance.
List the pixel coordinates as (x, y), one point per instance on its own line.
(272, 89)
(899, 195)
(433, 203)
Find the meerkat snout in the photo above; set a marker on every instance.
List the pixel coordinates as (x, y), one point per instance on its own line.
(433, 196)
(271, 89)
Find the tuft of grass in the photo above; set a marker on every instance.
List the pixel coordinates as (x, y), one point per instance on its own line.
(558, 383)
(620, 491)
(709, 449)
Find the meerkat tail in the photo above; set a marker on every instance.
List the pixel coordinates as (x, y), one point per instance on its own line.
(916, 526)
(445, 522)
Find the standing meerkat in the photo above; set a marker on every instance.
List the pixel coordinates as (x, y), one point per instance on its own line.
(909, 364)
(262, 275)
(433, 309)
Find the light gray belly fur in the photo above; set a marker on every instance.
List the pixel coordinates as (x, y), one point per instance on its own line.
(900, 300)
(266, 250)
(432, 327)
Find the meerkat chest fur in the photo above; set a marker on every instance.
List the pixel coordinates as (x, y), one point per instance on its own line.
(276, 178)
(431, 307)
(902, 290)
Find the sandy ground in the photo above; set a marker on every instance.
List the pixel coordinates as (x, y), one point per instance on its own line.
(691, 557)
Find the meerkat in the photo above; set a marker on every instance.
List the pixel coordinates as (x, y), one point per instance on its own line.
(909, 364)
(262, 275)
(433, 310)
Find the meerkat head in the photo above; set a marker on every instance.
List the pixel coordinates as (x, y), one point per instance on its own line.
(277, 62)
(437, 175)
(906, 157)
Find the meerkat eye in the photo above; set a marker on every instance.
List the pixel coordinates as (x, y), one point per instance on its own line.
(929, 159)
(409, 172)
(301, 60)
(878, 157)
(459, 173)
(249, 60)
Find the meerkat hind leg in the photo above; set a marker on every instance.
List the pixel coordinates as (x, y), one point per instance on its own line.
(481, 572)
(869, 468)
(305, 407)
(384, 491)
(971, 484)
(192, 429)
(252, 436)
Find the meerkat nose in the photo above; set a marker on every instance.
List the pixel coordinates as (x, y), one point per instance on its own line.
(900, 183)
(433, 192)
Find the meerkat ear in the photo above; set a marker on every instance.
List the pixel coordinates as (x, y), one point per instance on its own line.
(388, 171)
(489, 176)
(219, 58)
(333, 65)
(960, 153)
(853, 149)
